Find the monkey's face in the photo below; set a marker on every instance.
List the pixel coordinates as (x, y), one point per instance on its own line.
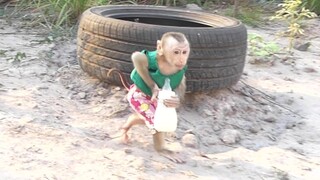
(176, 53)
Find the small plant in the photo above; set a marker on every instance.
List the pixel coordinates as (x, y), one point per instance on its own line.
(3, 53)
(292, 12)
(261, 50)
(18, 57)
(1, 12)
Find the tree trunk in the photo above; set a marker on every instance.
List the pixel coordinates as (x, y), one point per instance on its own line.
(236, 8)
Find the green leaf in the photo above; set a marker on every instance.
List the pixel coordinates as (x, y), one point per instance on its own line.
(262, 53)
(3, 53)
(272, 47)
(18, 57)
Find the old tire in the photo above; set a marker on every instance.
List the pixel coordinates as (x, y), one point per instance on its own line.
(107, 36)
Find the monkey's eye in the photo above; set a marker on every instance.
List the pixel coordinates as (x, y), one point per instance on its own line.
(184, 52)
(176, 52)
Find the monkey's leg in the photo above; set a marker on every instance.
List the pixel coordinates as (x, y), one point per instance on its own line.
(133, 119)
(158, 143)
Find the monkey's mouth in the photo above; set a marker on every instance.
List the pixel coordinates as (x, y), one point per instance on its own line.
(180, 66)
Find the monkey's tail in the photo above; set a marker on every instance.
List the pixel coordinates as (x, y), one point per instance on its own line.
(123, 79)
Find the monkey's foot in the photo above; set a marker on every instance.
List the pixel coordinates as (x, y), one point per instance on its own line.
(172, 156)
(122, 135)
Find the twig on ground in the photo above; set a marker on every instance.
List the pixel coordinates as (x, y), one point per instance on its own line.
(256, 89)
(65, 66)
(270, 99)
(116, 112)
(4, 69)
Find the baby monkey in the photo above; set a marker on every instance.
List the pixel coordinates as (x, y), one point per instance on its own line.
(150, 70)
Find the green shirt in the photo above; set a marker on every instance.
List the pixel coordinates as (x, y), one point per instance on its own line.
(156, 76)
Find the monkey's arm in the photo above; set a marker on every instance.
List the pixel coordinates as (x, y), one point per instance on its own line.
(181, 89)
(175, 101)
(140, 62)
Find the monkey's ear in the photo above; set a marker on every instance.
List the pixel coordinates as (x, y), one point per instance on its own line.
(159, 48)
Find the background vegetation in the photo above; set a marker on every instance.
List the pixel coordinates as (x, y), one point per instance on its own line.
(61, 16)
(313, 5)
(65, 13)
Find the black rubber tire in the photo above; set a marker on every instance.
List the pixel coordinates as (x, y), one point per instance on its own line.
(108, 35)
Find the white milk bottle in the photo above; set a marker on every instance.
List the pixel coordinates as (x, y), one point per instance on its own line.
(165, 118)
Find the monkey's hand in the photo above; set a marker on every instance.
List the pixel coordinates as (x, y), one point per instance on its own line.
(155, 91)
(173, 102)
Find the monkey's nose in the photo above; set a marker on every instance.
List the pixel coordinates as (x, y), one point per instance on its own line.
(182, 60)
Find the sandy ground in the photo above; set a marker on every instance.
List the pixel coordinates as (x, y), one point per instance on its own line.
(56, 122)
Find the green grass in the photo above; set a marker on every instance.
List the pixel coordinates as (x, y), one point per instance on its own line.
(313, 5)
(58, 13)
(251, 16)
(63, 14)
(55, 14)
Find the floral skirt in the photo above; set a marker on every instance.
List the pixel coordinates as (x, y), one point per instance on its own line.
(142, 104)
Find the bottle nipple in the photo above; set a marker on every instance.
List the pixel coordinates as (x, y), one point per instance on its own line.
(166, 85)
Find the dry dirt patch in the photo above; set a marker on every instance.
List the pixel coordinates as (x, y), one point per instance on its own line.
(56, 122)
